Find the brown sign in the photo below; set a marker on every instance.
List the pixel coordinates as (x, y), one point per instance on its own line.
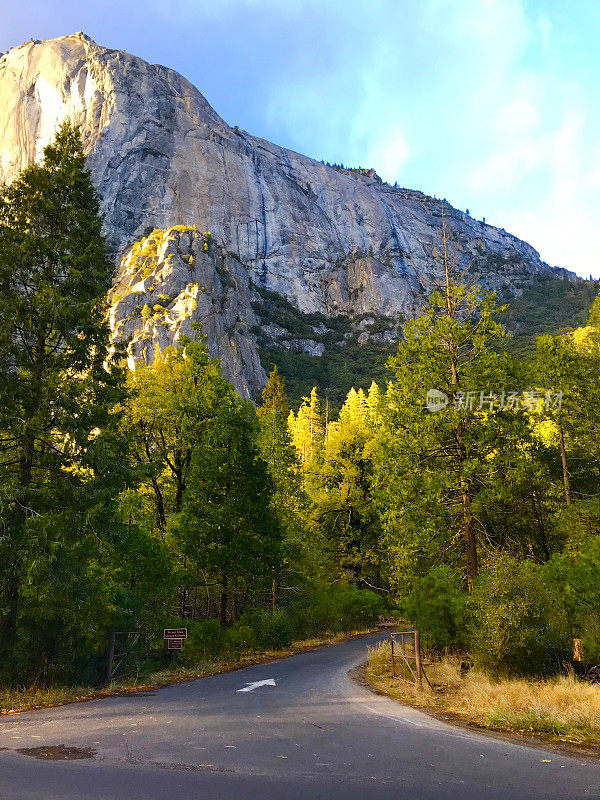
(174, 644)
(175, 633)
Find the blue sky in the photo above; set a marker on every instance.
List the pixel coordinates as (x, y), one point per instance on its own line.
(493, 104)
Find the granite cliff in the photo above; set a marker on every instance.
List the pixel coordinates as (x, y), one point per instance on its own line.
(286, 231)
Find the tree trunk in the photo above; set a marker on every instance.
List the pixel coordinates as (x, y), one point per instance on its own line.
(160, 506)
(537, 510)
(563, 459)
(223, 603)
(469, 536)
(234, 607)
(8, 624)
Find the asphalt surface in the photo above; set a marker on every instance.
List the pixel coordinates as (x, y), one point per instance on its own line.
(315, 734)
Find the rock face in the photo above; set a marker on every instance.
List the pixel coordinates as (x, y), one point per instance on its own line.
(175, 277)
(330, 240)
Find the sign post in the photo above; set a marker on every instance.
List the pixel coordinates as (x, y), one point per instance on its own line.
(175, 633)
(174, 637)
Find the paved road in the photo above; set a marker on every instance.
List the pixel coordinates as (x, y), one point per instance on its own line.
(315, 734)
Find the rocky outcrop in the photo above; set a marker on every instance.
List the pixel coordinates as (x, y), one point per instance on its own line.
(330, 240)
(173, 278)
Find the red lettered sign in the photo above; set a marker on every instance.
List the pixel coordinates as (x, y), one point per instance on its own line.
(175, 633)
(174, 644)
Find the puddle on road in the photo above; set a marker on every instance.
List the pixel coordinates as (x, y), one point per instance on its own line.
(58, 752)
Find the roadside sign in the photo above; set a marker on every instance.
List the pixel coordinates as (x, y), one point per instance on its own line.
(174, 644)
(175, 633)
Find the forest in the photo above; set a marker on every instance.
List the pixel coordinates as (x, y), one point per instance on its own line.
(136, 500)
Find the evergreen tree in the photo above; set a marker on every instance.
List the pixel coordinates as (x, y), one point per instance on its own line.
(432, 467)
(308, 429)
(555, 370)
(58, 381)
(275, 441)
(226, 526)
(373, 398)
(274, 398)
(340, 489)
(289, 502)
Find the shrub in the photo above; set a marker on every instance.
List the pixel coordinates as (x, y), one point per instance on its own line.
(589, 633)
(436, 607)
(271, 630)
(241, 638)
(518, 623)
(576, 576)
(206, 640)
(336, 609)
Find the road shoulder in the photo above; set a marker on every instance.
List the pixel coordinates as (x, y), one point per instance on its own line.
(358, 674)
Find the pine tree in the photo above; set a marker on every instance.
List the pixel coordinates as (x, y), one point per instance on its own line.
(227, 526)
(288, 500)
(340, 489)
(308, 429)
(373, 399)
(565, 372)
(274, 396)
(275, 439)
(432, 467)
(58, 382)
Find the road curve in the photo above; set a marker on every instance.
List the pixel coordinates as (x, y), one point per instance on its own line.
(314, 734)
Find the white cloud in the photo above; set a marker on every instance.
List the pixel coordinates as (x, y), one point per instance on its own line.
(563, 224)
(466, 99)
(388, 155)
(537, 175)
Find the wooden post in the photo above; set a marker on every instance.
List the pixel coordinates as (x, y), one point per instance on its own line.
(110, 658)
(393, 671)
(419, 668)
(577, 654)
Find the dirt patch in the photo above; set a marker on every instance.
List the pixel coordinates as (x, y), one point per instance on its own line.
(58, 752)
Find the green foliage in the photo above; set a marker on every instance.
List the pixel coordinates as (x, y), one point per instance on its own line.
(171, 405)
(548, 306)
(61, 465)
(518, 625)
(435, 470)
(289, 501)
(336, 608)
(575, 577)
(436, 607)
(270, 630)
(345, 363)
(206, 640)
(568, 366)
(226, 524)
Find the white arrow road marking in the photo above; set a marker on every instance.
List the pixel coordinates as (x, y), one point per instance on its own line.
(251, 686)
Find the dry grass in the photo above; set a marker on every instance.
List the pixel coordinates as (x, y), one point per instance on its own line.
(560, 709)
(13, 701)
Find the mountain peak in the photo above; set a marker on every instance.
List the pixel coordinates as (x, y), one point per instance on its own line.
(327, 240)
